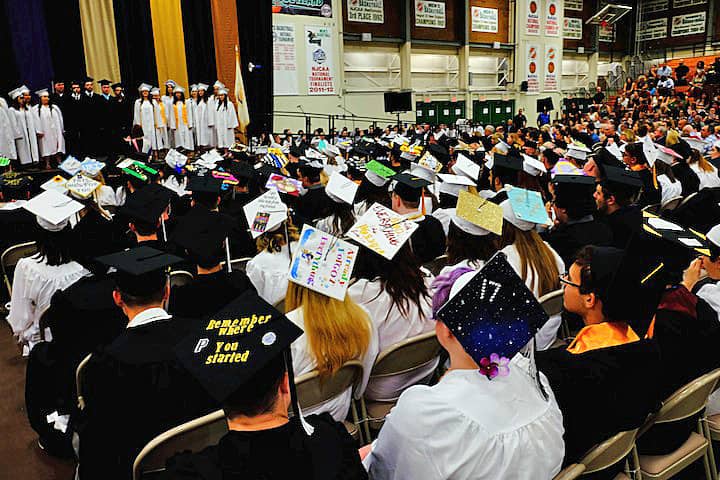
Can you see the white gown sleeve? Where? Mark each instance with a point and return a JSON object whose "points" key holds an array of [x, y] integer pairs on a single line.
{"points": [[21, 313]]}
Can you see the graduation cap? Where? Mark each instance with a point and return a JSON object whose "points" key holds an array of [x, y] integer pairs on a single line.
{"points": [[219, 84], [477, 216], [576, 151], [241, 170], [53, 210], [575, 193], [202, 234], [696, 142], [454, 184], [116, 85], [202, 86], [439, 152], [170, 83], [341, 189], [533, 166], [42, 93], [147, 204], [464, 166], [15, 93], [179, 89], [409, 187], [140, 271], [507, 162], [104, 82], [492, 313], [525, 209], [70, 165], [144, 87], [87, 79], [713, 240], [204, 184], [667, 155], [530, 144], [137, 169], [621, 181], [265, 213]]}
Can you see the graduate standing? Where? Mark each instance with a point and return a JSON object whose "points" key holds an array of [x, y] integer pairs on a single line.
{"points": [[225, 120], [105, 111], [50, 129], [91, 120], [161, 126], [121, 117], [7, 132], [147, 116], [72, 116], [25, 133], [181, 120], [205, 118]]}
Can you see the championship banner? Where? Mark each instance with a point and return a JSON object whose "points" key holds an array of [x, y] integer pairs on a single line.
{"points": [[654, 6], [551, 68], [690, 24], [365, 11], [312, 8], [552, 21], [572, 28], [429, 14], [652, 30], [319, 56], [574, 5], [532, 23], [285, 80], [533, 74], [484, 19], [687, 3]]}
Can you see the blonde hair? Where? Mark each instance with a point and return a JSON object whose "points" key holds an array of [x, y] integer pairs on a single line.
{"points": [[536, 258], [630, 135], [672, 137], [703, 164], [337, 331], [275, 240]]}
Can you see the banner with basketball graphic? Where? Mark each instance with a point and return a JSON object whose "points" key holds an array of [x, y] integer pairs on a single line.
{"points": [[532, 24], [551, 68], [320, 60], [533, 68]]}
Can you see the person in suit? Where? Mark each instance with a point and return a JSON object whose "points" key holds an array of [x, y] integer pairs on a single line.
{"points": [[72, 115]]}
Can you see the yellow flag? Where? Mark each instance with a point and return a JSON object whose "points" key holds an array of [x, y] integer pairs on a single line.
{"points": [[242, 109]]}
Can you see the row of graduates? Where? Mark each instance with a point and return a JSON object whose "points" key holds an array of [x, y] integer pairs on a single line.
{"points": [[469, 242]]}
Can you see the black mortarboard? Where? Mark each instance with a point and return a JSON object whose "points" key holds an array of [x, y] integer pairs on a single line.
{"points": [[227, 350], [439, 152], [241, 170], [147, 204], [530, 144], [87, 79], [409, 187], [116, 85], [140, 271], [204, 184], [507, 161], [104, 82], [296, 151], [619, 180], [575, 193], [75, 82], [493, 312], [202, 234], [603, 159]]}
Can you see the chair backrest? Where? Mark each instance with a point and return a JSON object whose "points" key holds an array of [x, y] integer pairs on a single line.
{"points": [[312, 390], [406, 356], [687, 401], [193, 436], [571, 472], [79, 377], [687, 199], [672, 203], [10, 258], [179, 278], [437, 264], [240, 263], [552, 302], [609, 452]]}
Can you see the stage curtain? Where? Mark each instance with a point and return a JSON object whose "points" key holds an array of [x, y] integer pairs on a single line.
{"points": [[97, 18], [26, 23], [199, 45], [10, 77], [66, 40], [225, 34], [136, 47], [169, 41]]}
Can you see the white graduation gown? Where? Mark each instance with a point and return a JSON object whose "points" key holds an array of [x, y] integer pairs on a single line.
{"points": [[182, 130], [225, 122], [50, 124], [710, 292], [469, 427], [192, 105], [162, 125], [392, 327], [268, 273], [547, 334], [7, 131], [34, 284], [147, 115], [26, 136], [304, 362], [707, 179], [167, 103], [668, 189], [204, 123]]}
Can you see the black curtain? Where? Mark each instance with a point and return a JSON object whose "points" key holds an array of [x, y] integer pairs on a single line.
{"points": [[199, 42], [10, 77], [136, 46], [62, 20], [255, 31]]}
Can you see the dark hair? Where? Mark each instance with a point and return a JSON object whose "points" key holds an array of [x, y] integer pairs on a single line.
{"points": [[259, 394], [176, 99], [206, 199], [635, 150], [551, 156], [663, 168], [55, 248], [466, 246], [400, 277], [343, 216], [312, 173], [144, 228], [505, 175], [371, 193], [167, 88], [221, 102], [141, 300]]}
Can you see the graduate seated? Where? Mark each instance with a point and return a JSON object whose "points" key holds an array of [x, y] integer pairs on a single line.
{"points": [[263, 440], [340, 214], [314, 203], [268, 269], [135, 388], [146, 211], [606, 381], [491, 416], [614, 197]]}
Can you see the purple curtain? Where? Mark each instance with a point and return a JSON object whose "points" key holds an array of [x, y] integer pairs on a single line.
{"points": [[26, 23]]}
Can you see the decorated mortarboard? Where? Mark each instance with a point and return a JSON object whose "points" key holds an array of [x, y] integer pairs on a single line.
{"points": [[202, 233], [454, 184], [382, 230], [480, 212], [227, 178], [175, 159], [137, 169], [464, 166], [81, 186], [56, 183], [4, 161], [265, 213], [696, 142], [91, 166], [204, 184], [527, 209], [667, 155], [533, 166], [70, 165], [577, 151], [429, 162], [379, 169], [227, 350], [492, 314], [341, 189], [53, 209], [284, 184], [141, 270], [323, 263], [170, 83]]}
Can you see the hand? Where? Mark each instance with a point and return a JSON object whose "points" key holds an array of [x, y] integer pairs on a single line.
{"points": [[692, 274]]}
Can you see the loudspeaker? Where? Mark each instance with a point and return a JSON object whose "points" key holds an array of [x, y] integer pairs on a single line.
{"points": [[398, 101], [546, 103], [524, 86]]}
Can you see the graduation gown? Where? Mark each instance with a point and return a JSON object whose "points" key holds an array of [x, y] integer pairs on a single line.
{"points": [[25, 136], [204, 123], [207, 294], [181, 123], [428, 240], [651, 193], [92, 111], [135, 389], [311, 206], [568, 238], [241, 242], [225, 123], [121, 118], [147, 115], [279, 453], [7, 131], [623, 223], [687, 177], [72, 116], [50, 125]]}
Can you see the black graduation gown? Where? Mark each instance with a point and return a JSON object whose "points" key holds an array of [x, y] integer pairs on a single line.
{"points": [[602, 392], [311, 206], [568, 238], [687, 178], [18, 226], [72, 119], [121, 113], [207, 294], [428, 240], [650, 194], [136, 389], [702, 212], [90, 124], [623, 223], [105, 123], [280, 453], [241, 242]]}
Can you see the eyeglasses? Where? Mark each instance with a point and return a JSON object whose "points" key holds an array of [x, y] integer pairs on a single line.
{"points": [[564, 279]]}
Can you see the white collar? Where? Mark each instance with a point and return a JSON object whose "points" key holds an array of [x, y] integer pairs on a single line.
{"points": [[148, 316]]}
